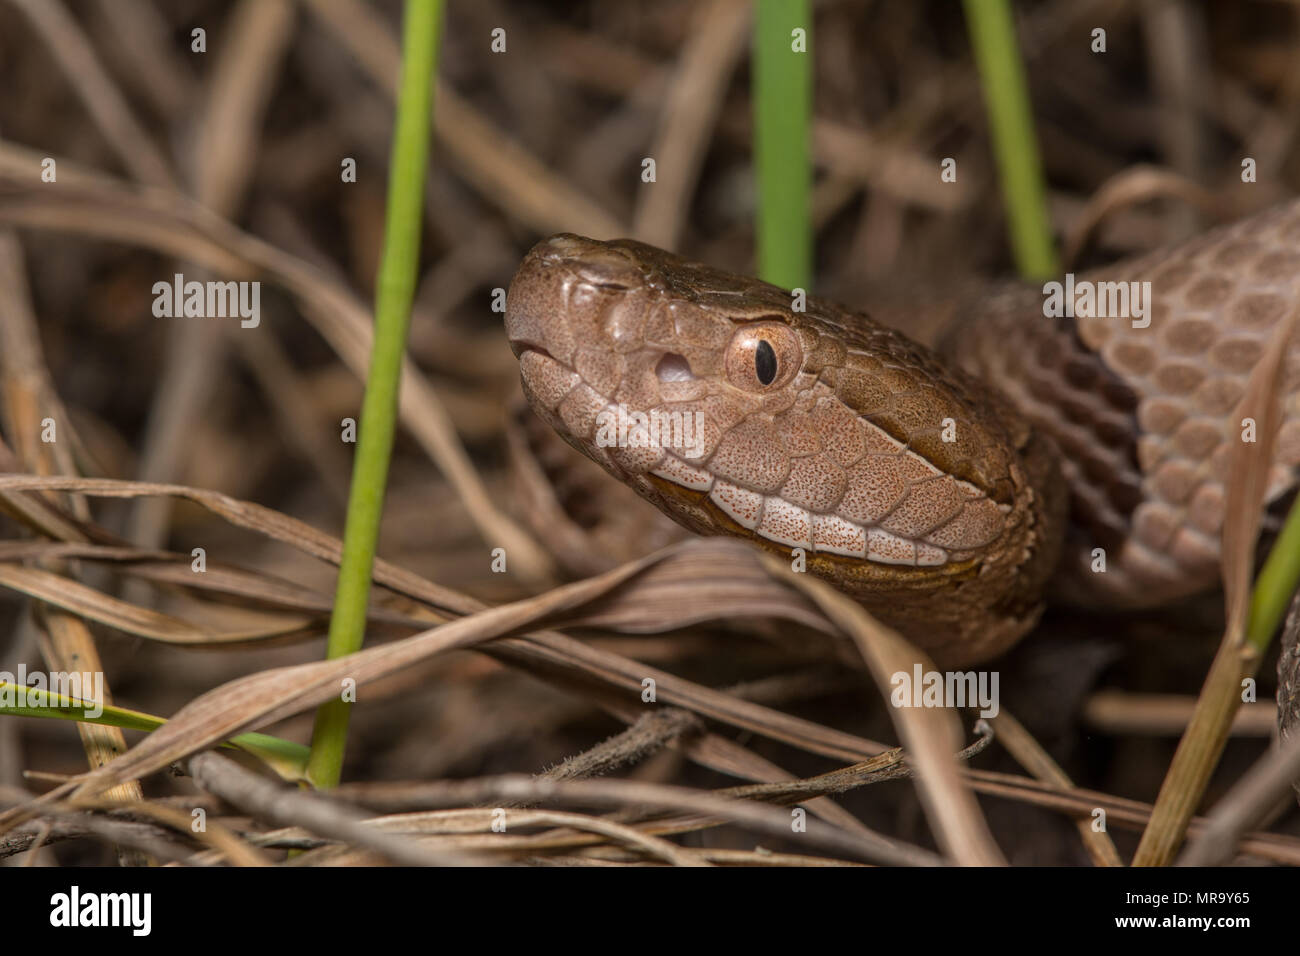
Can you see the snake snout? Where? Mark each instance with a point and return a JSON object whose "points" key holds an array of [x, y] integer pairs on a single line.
{"points": [[538, 304], [566, 295], [591, 262]]}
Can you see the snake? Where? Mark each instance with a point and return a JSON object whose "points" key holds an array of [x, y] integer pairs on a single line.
{"points": [[1034, 453]]}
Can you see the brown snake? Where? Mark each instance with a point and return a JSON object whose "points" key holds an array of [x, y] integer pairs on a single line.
{"points": [[944, 494]]}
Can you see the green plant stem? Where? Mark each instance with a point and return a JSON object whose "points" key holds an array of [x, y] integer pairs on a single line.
{"points": [[395, 290], [1011, 124], [782, 108], [283, 756], [1276, 583]]}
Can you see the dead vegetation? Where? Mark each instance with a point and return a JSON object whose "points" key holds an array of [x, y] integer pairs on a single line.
{"points": [[504, 717]]}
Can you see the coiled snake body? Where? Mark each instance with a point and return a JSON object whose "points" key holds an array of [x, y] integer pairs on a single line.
{"points": [[943, 493]]}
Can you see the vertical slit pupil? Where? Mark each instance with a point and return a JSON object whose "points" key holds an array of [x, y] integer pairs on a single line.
{"points": [[765, 362]]}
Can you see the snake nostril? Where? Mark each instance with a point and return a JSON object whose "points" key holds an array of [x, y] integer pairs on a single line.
{"points": [[674, 368]]}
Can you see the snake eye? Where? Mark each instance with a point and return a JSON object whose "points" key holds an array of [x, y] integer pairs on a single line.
{"points": [[763, 356], [765, 362]]}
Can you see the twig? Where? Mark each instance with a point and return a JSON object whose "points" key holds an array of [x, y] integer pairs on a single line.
{"points": [[1245, 805], [331, 818]]}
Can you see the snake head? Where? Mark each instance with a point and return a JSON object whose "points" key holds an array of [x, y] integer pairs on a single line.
{"points": [[739, 408]]}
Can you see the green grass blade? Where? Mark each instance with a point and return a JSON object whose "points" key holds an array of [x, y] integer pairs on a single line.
{"points": [[1276, 583], [1011, 124], [782, 120], [396, 289], [285, 757]]}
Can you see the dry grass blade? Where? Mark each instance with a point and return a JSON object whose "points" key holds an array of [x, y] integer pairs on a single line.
{"points": [[29, 399], [107, 106], [262, 798], [686, 586], [172, 224], [1250, 466], [622, 794], [252, 587], [551, 649], [255, 40], [85, 602], [663, 585], [220, 162], [1030, 755], [263, 698], [252, 517], [1134, 185], [651, 847], [692, 103], [157, 70], [221, 839], [1121, 713], [267, 696], [61, 821], [1121, 812], [1258, 792], [930, 735], [504, 172]]}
